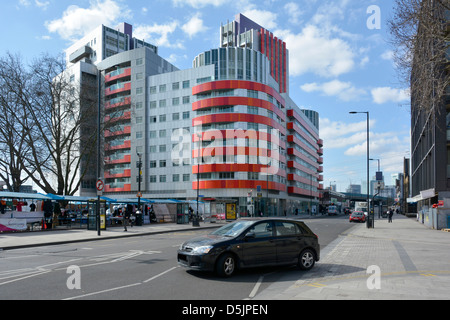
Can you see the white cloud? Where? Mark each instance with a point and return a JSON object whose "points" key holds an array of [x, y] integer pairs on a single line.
{"points": [[199, 3], [387, 55], [194, 26], [76, 21], [338, 134], [42, 4], [390, 147], [266, 19], [345, 91], [158, 34], [293, 11], [316, 51], [382, 95]]}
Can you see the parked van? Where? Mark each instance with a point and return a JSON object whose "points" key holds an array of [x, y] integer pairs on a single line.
{"points": [[332, 210]]}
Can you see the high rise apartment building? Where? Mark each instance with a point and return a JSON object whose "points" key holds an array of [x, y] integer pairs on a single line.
{"points": [[225, 128]]}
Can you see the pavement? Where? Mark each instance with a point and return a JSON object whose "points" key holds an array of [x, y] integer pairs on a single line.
{"points": [[392, 261], [402, 260]]}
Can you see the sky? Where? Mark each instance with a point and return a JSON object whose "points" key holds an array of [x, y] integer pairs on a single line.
{"points": [[340, 60]]}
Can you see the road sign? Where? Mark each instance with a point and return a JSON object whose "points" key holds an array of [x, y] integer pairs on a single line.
{"points": [[100, 185]]}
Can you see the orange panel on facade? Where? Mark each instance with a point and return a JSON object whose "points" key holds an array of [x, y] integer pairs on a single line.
{"points": [[238, 184]]}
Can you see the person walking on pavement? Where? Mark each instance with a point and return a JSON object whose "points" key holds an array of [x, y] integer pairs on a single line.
{"points": [[126, 217], [391, 213]]}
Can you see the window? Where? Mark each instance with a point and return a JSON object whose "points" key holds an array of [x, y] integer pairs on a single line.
{"points": [[153, 119], [139, 90], [139, 135], [186, 84], [252, 175], [162, 163], [175, 101], [162, 103], [262, 230], [153, 89], [162, 148], [186, 177], [152, 104], [162, 88], [139, 76], [162, 118], [139, 61], [226, 175], [139, 105], [139, 119], [175, 86], [252, 110], [152, 149], [175, 116], [162, 178], [186, 99], [186, 115], [152, 163], [152, 179], [286, 228], [175, 178], [252, 94], [162, 133]]}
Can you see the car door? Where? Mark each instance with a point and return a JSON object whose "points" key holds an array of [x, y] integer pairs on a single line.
{"points": [[258, 247], [289, 241]]}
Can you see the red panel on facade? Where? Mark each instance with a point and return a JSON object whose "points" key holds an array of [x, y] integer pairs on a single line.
{"points": [[125, 73], [237, 167], [237, 117], [214, 134], [237, 84], [234, 101], [126, 187], [238, 184]]}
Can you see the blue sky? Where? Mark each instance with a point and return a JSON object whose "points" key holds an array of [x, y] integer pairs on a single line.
{"points": [[340, 60]]}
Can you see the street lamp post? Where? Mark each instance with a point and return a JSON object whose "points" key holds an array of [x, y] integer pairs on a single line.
{"points": [[139, 181], [369, 216], [195, 222]]}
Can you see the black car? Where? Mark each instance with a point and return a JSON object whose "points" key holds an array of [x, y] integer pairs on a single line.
{"points": [[252, 243]]}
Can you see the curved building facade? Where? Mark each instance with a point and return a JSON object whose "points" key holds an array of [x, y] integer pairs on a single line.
{"points": [[224, 131]]}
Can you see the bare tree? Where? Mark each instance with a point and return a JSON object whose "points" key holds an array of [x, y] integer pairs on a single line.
{"points": [[13, 145], [420, 38], [57, 117]]}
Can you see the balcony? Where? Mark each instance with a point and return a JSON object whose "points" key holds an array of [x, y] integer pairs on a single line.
{"points": [[118, 74], [118, 102], [119, 87], [123, 173], [110, 133]]}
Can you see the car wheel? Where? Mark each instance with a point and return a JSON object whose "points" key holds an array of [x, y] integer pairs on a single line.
{"points": [[306, 260], [226, 265]]}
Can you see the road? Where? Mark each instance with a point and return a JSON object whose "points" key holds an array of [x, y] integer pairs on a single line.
{"points": [[136, 268]]}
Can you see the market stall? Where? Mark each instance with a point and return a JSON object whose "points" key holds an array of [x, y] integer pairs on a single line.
{"points": [[21, 211]]}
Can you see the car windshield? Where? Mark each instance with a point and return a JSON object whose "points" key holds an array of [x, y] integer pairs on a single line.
{"points": [[232, 229]]}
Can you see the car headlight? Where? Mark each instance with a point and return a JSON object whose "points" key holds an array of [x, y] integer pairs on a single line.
{"points": [[202, 249]]}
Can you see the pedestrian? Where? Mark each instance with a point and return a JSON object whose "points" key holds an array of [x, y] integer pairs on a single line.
{"points": [[391, 212], [126, 217]]}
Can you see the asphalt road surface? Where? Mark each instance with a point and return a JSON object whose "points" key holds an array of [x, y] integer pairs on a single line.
{"points": [[142, 267]]}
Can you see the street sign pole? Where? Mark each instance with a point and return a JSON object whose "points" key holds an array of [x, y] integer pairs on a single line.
{"points": [[99, 185]]}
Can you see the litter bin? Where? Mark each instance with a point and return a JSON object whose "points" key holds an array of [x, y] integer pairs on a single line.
{"points": [[138, 218]]}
